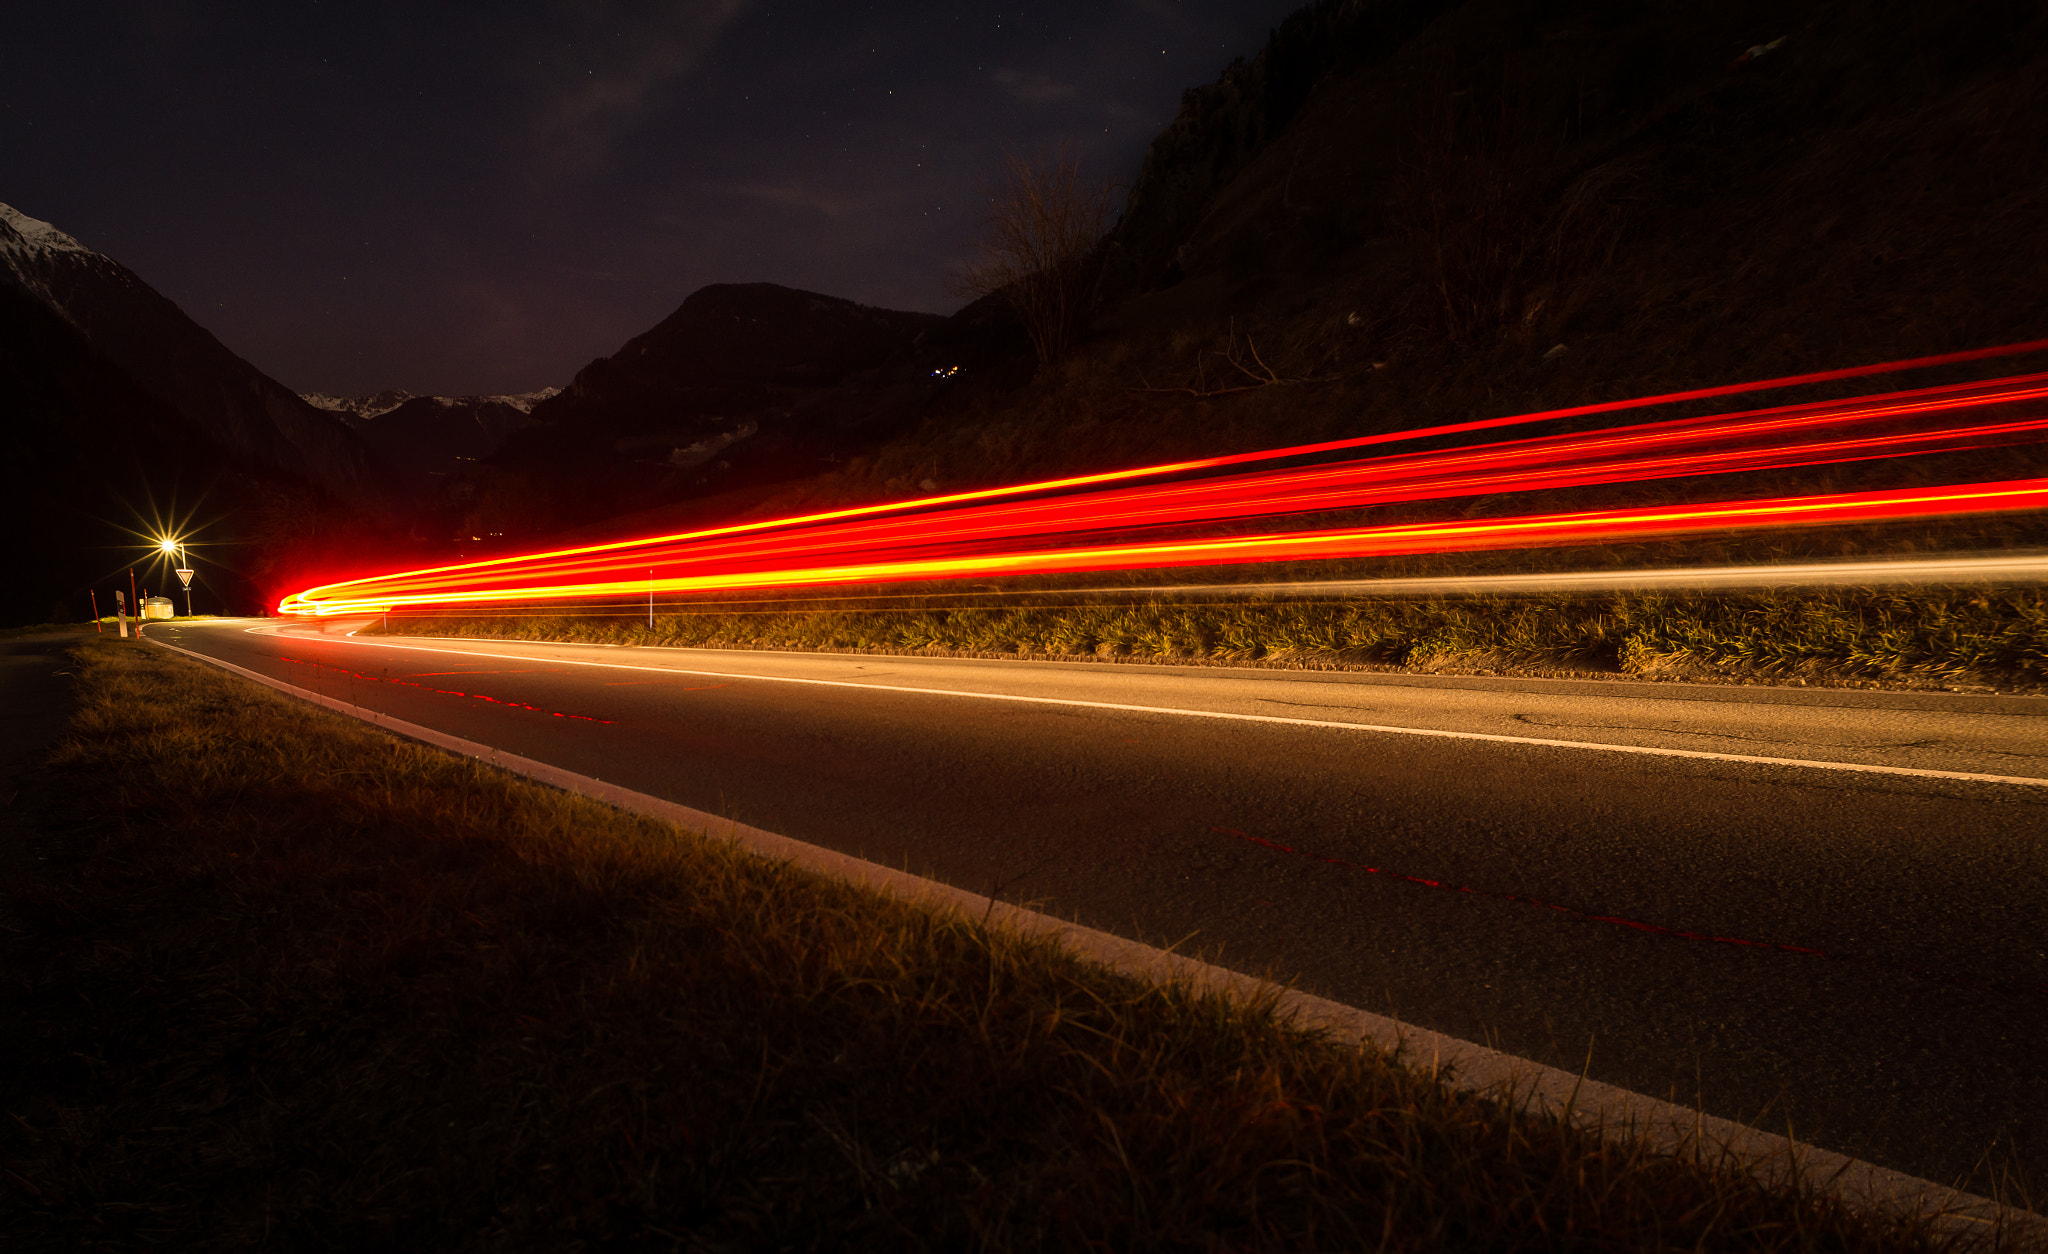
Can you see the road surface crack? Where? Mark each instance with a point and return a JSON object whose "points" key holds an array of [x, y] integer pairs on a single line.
{"points": [[1315, 705], [1532, 720]]}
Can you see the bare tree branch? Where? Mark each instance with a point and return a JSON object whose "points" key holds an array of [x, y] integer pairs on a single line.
{"points": [[1040, 227], [1198, 381]]}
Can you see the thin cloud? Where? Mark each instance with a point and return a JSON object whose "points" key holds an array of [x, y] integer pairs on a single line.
{"points": [[593, 95], [796, 196], [1032, 88]]}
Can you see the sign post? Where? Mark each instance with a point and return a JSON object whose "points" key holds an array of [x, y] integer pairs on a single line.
{"points": [[185, 575]]}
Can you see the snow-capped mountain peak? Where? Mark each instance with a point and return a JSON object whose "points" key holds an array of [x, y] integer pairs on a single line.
{"points": [[525, 401], [380, 403], [144, 339], [19, 232], [358, 406], [432, 437]]}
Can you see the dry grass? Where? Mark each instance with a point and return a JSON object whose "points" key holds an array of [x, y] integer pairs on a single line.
{"points": [[108, 625], [291, 982], [44, 629], [1943, 637]]}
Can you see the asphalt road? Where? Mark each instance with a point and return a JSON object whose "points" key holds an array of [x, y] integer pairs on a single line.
{"points": [[1864, 954]]}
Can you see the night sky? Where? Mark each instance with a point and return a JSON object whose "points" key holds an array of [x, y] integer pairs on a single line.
{"points": [[479, 198]]}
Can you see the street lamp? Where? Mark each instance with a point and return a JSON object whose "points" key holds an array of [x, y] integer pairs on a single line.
{"points": [[172, 548]]}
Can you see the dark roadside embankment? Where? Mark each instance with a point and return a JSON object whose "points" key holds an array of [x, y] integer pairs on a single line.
{"points": [[285, 979]]}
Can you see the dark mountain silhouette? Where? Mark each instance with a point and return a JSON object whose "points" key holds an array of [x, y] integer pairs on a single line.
{"points": [[436, 446], [733, 349], [96, 465], [179, 362], [743, 385], [429, 437], [126, 418]]}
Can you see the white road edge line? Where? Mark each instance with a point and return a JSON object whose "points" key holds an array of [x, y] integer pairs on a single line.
{"points": [[1611, 1111], [1912, 772]]}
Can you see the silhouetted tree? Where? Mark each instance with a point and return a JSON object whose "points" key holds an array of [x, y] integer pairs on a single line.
{"points": [[1040, 228]]}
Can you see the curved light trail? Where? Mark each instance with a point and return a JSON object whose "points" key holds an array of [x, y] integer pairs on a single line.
{"points": [[1533, 531], [1083, 524]]}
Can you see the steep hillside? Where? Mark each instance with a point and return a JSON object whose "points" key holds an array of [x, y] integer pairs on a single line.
{"points": [[1740, 170], [126, 419], [1404, 211], [179, 362], [97, 465]]}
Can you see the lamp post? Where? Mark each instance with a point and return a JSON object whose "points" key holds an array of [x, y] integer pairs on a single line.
{"points": [[175, 548]]}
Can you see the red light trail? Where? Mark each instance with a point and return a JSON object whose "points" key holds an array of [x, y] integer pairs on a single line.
{"points": [[1078, 524], [446, 692]]}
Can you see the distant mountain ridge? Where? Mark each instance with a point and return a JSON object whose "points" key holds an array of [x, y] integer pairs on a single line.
{"points": [[744, 384], [431, 439], [358, 406], [379, 403], [734, 349]]}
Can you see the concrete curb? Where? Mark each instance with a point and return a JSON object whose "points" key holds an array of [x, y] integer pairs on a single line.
{"points": [[1611, 1111]]}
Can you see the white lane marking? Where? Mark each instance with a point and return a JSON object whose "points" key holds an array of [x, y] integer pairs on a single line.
{"points": [[1606, 1109], [1912, 772]]}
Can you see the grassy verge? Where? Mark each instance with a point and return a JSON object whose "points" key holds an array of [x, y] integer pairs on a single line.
{"points": [[107, 626], [290, 981], [44, 629], [1938, 637]]}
